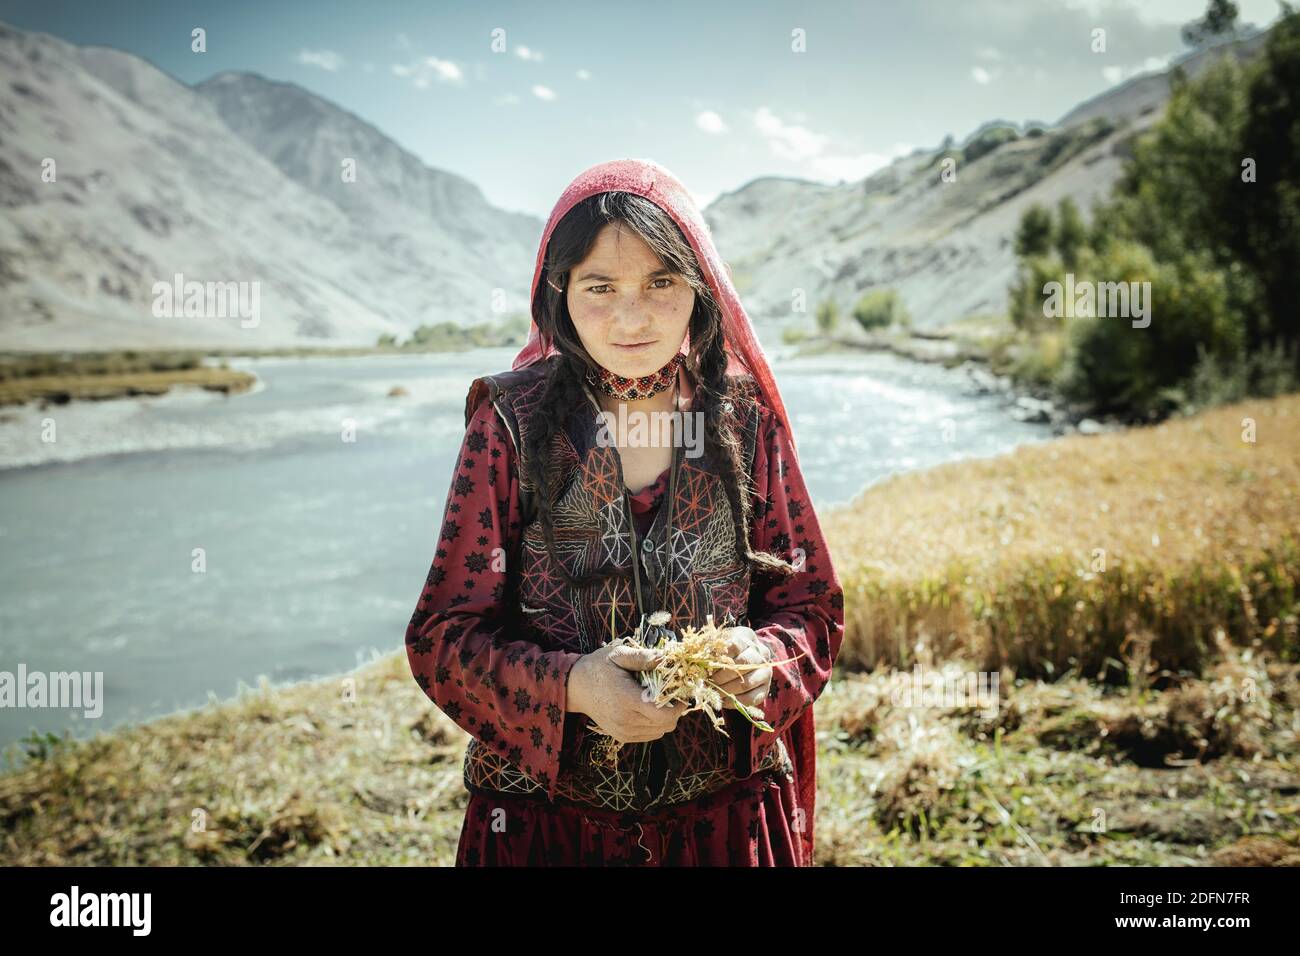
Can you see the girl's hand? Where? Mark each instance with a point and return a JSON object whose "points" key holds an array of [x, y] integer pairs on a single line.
{"points": [[750, 687], [603, 686]]}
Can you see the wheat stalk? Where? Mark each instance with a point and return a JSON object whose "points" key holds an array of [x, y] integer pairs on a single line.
{"points": [[684, 673]]}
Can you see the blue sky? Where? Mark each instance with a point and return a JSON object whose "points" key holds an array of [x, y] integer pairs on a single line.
{"points": [[714, 91]]}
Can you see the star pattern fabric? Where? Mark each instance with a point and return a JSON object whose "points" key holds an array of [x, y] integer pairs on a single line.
{"points": [[801, 616], [511, 695]]}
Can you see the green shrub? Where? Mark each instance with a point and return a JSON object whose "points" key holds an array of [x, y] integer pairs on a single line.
{"points": [[1114, 366], [1064, 145], [828, 317], [881, 308], [1041, 361], [988, 140], [1269, 372]]}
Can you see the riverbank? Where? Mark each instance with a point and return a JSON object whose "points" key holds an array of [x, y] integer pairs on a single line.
{"points": [[57, 378], [994, 358], [1165, 738], [46, 379], [163, 402]]}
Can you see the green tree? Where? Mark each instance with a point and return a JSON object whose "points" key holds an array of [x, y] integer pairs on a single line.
{"points": [[1070, 235], [1027, 298], [1034, 235], [1265, 214], [1220, 21], [1181, 180], [1206, 215]]}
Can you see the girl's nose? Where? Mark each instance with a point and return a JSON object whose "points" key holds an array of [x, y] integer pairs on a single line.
{"points": [[633, 319]]}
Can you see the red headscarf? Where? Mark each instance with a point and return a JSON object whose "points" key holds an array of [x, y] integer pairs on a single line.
{"points": [[744, 352], [649, 179]]}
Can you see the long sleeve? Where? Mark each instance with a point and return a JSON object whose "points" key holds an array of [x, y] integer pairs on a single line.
{"points": [[802, 614], [509, 694]]}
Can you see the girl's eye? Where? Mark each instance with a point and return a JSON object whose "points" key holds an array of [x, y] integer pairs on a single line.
{"points": [[597, 288]]}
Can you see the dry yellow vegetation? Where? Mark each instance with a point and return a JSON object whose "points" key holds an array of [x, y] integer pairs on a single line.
{"points": [[1050, 557], [65, 388]]}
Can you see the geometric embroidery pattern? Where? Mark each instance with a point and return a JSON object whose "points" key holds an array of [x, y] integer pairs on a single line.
{"points": [[507, 691]]}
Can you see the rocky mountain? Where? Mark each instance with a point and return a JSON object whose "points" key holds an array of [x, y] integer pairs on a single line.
{"points": [[1149, 91], [237, 180], [114, 176], [945, 245], [417, 215]]}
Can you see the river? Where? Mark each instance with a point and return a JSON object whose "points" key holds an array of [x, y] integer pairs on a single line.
{"points": [[316, 547]]}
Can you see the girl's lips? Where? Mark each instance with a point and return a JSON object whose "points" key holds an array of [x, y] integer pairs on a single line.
{"points": [[633, 348]]}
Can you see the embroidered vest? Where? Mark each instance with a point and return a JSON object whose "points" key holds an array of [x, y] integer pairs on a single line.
{"points": [[693, 575]]}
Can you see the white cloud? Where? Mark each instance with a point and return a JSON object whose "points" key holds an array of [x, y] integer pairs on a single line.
{"points": [[325, 59], [527, 53], [1112, 74], [988, 53], [795, 143], [710, 122], [428, 70], [584, 74], [850, 168], [509, 99], [809, 149], [981, 75], [543, 92]]}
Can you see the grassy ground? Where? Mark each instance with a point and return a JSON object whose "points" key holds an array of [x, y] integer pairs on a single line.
{"points": [[1148, 707], [1067, 773], [368, 772]]}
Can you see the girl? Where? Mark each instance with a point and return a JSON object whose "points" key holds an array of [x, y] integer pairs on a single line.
{"points": [[565, 527]]}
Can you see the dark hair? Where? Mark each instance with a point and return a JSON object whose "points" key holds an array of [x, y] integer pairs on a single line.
{"points": [[571, 241]]}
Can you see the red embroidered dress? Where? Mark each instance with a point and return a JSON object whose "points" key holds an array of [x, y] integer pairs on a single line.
{"points": [[510, 694], [496, 632]]}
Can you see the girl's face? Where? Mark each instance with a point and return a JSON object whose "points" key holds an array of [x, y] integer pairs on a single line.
{"points": [[630, 312]]}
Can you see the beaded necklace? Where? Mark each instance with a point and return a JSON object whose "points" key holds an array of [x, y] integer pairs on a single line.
{"points": [[630, 389]]}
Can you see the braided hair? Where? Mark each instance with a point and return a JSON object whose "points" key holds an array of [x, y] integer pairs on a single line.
{"points": [[563, 395]]}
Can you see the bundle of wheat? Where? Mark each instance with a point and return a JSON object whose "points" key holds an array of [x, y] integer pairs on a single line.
{"points": [[684, 672]]}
